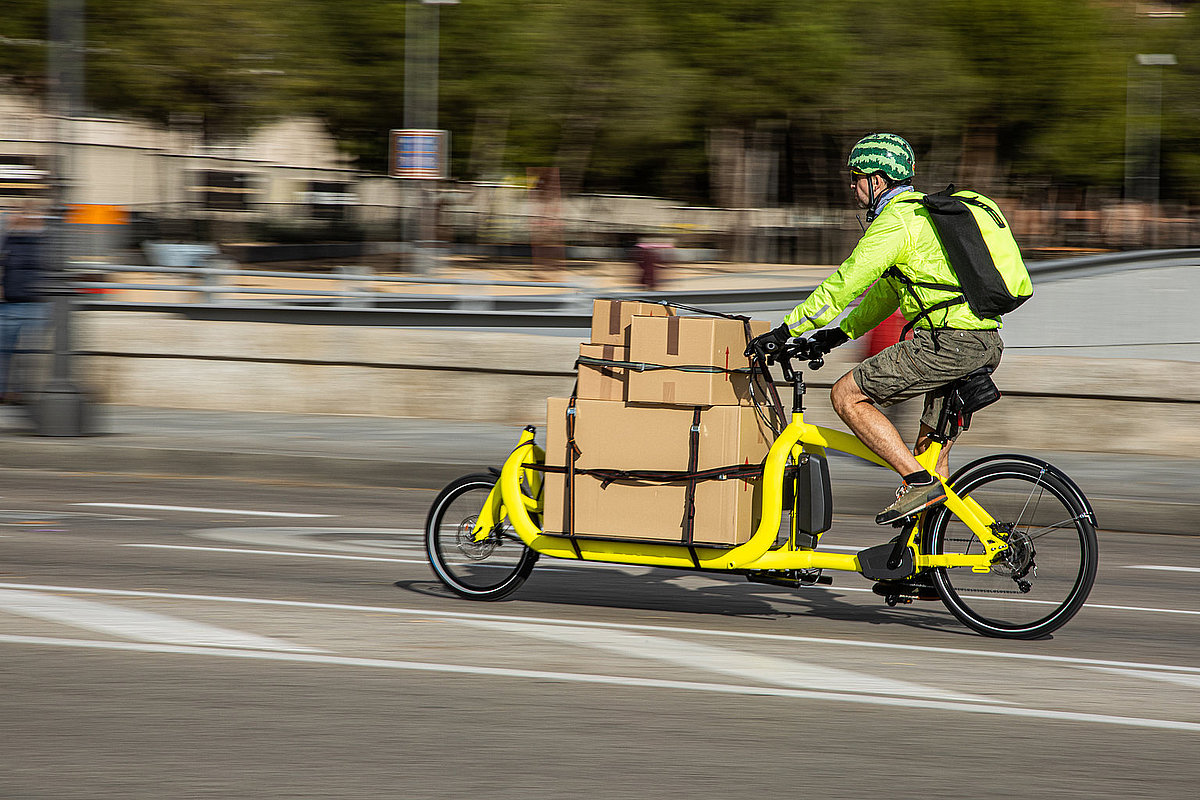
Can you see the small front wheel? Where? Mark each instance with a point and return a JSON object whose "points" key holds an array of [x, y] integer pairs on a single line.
{"points": [[477, 570], [1044, 576]]}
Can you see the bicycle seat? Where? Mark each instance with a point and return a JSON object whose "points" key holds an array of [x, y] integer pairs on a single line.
{"points": [[974, 391]]}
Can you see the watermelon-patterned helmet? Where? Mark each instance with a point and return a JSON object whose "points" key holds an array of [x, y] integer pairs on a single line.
{"points": [[883, 152]]}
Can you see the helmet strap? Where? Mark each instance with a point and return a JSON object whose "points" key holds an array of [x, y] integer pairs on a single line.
{"points": [[871, 213]]}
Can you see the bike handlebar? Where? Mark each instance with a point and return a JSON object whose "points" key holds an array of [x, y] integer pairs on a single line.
{"points": [[783, 353]]}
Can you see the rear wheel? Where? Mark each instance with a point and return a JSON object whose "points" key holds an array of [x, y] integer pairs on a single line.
{"points": [[1036, 585], [478, 570]]}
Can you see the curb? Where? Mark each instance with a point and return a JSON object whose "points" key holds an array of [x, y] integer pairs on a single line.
{"points": [[192, 463]]}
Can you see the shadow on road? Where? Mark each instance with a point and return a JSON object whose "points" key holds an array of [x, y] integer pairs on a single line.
{"points": [[678, 593]]}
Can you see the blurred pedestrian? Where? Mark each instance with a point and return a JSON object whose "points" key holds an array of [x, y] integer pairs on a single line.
{"points": [[650, 257], [22, 307]]}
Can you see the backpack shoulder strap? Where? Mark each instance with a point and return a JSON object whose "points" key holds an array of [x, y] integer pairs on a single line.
{"points": [[894, 272]]}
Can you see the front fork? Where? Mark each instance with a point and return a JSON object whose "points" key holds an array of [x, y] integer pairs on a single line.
{"points": [[493, 511]]}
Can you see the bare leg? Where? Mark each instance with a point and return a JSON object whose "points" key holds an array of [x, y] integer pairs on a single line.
{"points": [[923, 442], [870, 425]]}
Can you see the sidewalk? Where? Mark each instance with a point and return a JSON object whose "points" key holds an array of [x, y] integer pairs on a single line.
{"points": [[1129, 492]]}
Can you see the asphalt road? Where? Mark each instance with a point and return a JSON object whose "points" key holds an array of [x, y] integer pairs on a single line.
{"points": [[166, 638]]}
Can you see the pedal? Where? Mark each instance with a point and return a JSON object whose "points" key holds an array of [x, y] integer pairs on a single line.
{"points": [[906, 591]]}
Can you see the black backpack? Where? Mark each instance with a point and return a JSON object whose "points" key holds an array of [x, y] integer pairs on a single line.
{"points": [[981, 271]]}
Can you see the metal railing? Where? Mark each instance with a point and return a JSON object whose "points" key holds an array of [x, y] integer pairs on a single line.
{"points": [[218, 296], [213, 286]]}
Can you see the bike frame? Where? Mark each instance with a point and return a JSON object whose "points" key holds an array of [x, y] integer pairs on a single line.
{"points": [[757, 553]]}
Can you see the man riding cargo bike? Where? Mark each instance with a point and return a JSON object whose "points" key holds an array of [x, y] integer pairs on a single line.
{"points": [[671, 452], [902, 260]]}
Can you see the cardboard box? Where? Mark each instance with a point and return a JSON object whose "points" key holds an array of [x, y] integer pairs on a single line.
{"points": [[690, 341], [611, 318], [612, 435], [602, 383]]}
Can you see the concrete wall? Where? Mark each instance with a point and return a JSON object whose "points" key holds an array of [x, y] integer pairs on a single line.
{"points": [[1128, 314], [1054, 402]]}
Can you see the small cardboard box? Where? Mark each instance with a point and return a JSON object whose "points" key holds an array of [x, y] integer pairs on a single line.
{"points": [[612, 435], [690, 341], [611, 318], [601, 382]]}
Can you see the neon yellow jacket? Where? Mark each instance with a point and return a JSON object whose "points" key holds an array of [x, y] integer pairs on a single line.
{"points": [[901, 235]]}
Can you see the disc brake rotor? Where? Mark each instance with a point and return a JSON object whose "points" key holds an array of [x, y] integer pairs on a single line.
{"points": [[1017, 559], [469, 546]]}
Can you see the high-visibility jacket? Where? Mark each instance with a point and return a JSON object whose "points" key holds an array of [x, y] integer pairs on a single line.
{"points": [[901, 236]]}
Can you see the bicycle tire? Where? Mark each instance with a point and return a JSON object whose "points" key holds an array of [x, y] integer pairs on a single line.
{"points": [[488, 570], [1049, 567]]}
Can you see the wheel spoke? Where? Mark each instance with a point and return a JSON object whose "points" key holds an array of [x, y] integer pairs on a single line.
{"points": [[1038, 582], [1057, 526], [480, 569]]}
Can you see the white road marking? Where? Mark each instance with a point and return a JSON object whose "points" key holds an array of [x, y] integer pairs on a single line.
{"points": [[621, 680], [278, 553], [1163, 569], [1192, 681], [307, 555], [145, 626], [993, 599], [628, 626], [386, 540], [7, 515], [737, 663], [204, 510]]}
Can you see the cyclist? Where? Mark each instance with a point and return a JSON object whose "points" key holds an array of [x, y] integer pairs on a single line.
{"points": [[946, 345]]}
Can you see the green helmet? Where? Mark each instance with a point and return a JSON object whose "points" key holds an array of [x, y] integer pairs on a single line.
{"points": [[883, 152]]}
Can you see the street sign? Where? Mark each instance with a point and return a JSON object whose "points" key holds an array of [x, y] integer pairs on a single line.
{"points": [[419, 154]]}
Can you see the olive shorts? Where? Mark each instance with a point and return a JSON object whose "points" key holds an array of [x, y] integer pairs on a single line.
{"points": [[914, 367]]}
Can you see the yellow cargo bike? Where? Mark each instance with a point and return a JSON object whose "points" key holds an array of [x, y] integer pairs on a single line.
{"points": [[1012, 552]]}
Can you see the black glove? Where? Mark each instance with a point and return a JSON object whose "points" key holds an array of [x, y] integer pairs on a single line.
{"points": [[827, 339], [770, 343]]}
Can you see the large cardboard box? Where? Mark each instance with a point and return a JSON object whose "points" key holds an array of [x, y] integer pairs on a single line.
{"points": [[690, 341], [611, 318], [612, 435], [601, 382]]}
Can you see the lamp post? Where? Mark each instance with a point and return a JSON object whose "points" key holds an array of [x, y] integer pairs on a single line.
{"points": [[421, 33], [60, 408], [1143, 130]]}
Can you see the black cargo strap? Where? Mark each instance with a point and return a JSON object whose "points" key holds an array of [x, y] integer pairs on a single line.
{"points": [[643, 366], [573, 454], [607, 476], [705, 311], [689, 503]]}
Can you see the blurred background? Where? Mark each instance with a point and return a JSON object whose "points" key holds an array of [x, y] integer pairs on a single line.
{"points": [[577, 127], [310, 260]]}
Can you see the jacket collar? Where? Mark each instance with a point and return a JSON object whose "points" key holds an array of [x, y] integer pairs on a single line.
{"points": [[885, 198]]}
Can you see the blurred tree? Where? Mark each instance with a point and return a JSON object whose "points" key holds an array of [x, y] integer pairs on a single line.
{"points": [[625, 95], [22, 43], [220, 65], [1053, 83], [1181, 106]]}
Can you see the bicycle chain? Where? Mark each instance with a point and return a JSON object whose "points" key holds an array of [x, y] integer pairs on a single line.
{"points": [[985, 591]]}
